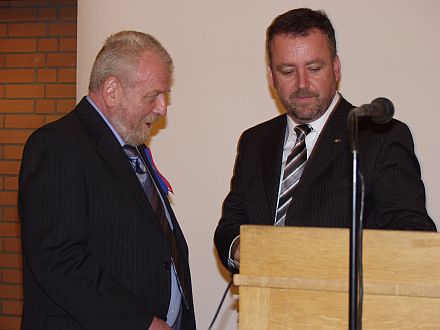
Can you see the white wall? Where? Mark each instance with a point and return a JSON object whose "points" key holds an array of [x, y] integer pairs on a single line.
{"points": [[387, 48]]}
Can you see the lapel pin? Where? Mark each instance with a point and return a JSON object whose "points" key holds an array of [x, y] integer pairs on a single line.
{"points": [[338, 140]]}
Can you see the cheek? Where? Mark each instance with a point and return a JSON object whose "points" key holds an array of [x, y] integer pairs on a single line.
{"points": [[285, 86], [141, 117], [320, 84], [134, 115], [145, 108]]}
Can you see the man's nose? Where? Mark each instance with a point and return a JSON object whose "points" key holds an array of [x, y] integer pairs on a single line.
{"points": [[302, 79], [161, 105]]}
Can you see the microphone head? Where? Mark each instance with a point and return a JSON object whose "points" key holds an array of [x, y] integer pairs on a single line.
{"points": [[387, 110]]}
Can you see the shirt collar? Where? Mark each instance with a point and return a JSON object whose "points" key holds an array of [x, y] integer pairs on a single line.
{"points": [[118, 137]]}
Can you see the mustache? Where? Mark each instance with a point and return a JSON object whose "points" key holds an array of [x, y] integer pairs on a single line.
{"points": [[303, 92], [153, 119]]}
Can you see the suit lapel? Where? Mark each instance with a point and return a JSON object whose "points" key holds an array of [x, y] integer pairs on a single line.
{"points": [[158, 185], [331, 143], [271, 158], [180, 240], [106, 144]]}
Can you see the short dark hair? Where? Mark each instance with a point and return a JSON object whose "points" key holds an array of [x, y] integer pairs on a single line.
{"points": [[299, 22]]}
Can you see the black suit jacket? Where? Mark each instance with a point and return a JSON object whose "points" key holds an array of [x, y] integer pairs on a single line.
{"points": [[394, 192], [94, 255]]}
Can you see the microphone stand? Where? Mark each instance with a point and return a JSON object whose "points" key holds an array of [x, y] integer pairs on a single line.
{"points": [[381, 110], [355, 231]]}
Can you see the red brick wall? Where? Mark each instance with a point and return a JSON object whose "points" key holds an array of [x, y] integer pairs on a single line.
{"points": [[37, 85]]}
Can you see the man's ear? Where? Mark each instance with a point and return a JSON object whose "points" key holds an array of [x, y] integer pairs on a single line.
{"points": [[270, 77], [112, 92], [337, 68]]}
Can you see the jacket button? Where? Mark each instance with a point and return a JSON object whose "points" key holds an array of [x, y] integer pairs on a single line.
{"points": [[167, 265]]}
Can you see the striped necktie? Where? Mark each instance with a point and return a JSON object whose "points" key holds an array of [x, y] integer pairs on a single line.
{"points": [[150, 188], [295, 164]]}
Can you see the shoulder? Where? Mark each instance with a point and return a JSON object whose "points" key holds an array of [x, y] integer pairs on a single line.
{"points": [[268, 128], [54, 132], [64, 134], [393, 129], [370, 130], [82, 120]]}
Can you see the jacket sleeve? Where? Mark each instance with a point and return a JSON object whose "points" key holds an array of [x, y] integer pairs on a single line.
{"points": [[233, 212], [397, 192]]}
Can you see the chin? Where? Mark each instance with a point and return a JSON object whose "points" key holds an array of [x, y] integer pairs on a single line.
{"points": [[305, 114], [144, 138]]}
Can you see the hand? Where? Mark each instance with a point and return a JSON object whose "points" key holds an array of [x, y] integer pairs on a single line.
{"points": [[158, 324], [236, 253]]}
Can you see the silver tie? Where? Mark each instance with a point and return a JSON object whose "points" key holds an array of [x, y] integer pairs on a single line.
{"points": [[295, 164]]}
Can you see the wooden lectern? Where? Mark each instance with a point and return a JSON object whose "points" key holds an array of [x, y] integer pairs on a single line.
{"points": [[297, 278]]}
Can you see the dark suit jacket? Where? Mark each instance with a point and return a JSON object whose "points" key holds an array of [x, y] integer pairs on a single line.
{"points": [[94, 255], [394, 192]]}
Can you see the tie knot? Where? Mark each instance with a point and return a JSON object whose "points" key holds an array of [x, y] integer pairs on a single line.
{"points": [[302, 130], [131, 151], [135, 159]]}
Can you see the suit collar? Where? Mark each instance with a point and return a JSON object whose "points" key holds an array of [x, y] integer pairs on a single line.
{"points": [[331, 142], [108, 147]]}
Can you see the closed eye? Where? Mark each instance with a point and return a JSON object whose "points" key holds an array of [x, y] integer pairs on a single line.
{"points": [[315, 68], [287, 73]]}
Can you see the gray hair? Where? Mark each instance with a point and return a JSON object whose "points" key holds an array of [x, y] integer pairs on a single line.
{"points": [[120, 55]]}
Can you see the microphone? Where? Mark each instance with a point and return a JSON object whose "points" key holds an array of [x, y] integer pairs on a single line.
{"points": [[380, 110]]}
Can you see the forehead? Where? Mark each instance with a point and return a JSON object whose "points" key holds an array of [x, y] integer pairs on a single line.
{"points": [[150, 58], [315, 43], [151, 69]]}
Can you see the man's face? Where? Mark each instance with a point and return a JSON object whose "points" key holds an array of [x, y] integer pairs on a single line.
{"points": [[304, 74], [143, 100]]}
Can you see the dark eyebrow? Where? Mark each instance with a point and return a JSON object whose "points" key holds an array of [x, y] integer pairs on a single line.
{"points": [[289, 65], [317, 61], [284, 65]]}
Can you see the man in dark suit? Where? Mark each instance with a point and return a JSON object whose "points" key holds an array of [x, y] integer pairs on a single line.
{"points": [[296, 169], [96, 253]]}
